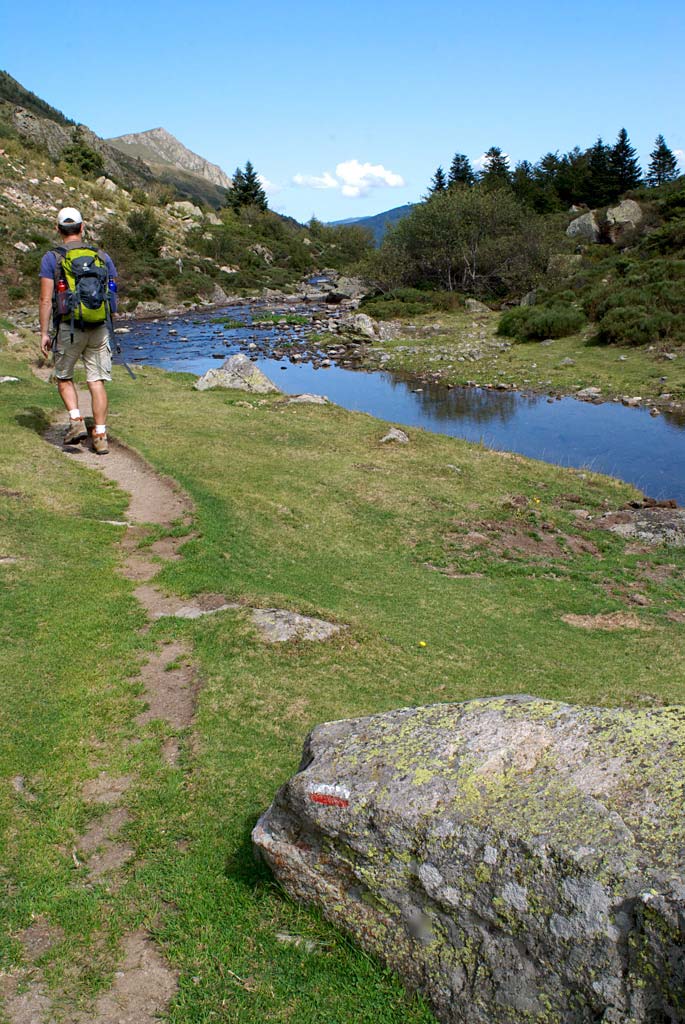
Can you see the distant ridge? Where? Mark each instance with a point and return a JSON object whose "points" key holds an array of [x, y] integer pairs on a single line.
{"points": [[159, 149], [12, 91], [380, 222]]}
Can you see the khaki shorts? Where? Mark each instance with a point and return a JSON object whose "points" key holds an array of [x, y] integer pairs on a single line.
{"points": [[92, 344]]}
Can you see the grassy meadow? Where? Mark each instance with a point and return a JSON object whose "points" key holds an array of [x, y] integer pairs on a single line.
{"points": [[297, 507]]}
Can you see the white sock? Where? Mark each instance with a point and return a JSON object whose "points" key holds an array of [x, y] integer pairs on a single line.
{"points": [[100, 428], [75, 414]]}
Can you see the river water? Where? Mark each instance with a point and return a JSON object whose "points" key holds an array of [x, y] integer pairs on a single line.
{"points": [[608, 438]]}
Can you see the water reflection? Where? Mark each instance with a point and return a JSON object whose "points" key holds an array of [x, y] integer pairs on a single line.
{"points": [[474, 404]]}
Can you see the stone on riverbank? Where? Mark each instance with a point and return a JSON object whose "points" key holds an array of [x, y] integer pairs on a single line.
{"points": [[651, 525], [516, 859], [240, 373]]}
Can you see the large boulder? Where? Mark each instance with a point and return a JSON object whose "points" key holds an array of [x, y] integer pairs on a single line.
{"points": [[349, 288], [240, 373], [623, 219], [516, 859], [586, 228], [358, 325], [185, 209]]}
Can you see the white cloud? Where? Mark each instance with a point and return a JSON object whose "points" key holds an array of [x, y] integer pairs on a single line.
{"points": [[270, 187], [325, 180], [353, 178], [482, 162], [679, 154]]}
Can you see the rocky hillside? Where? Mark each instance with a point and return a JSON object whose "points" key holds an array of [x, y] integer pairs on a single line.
{"points": [[170, 251], [160, 150]]}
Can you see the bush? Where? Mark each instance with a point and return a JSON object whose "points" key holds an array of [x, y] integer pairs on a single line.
{"points": [[473, 240], [534, 323], [146, 233], [82, 157], [635, 325], [404, 302]]}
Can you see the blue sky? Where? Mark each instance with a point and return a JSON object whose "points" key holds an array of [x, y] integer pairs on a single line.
{"points": [[348, 109]]}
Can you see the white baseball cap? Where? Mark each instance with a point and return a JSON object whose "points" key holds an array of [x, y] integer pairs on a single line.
{"points": [[69, 216]]}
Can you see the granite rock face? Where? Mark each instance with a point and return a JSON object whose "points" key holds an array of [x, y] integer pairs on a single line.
{"points": [[623, 219], [518, 860], [586, 228], [240, 373]]}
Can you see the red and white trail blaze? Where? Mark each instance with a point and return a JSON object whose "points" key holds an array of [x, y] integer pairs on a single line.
{"points": [[329, 796]]}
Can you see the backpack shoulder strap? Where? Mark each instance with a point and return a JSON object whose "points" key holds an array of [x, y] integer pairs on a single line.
{"points": [[59, 252]]}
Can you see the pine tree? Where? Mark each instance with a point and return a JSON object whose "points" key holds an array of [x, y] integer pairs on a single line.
{"points": [[461, 171], [623, 164], [438, 183], [663, 165], [528, 187], [496, 172], [247, 190], [601, 183]]}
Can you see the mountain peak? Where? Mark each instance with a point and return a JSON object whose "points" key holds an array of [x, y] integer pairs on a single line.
{"points": [[159, 148]]}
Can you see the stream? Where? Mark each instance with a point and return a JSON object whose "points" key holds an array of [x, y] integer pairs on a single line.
{"points": [[607, 438]]}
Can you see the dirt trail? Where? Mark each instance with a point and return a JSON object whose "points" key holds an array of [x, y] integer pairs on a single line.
{"points": [[144, 983]]}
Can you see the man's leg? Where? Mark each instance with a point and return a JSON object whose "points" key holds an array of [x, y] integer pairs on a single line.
{"points": [[97, 357], [66, 354], [67, 393], [98, 396]]}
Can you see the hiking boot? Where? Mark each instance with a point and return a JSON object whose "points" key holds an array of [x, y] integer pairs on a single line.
{"points": [[75, 432], [100, 446]]}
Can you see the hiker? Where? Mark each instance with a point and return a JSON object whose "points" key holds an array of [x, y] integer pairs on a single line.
{"points": [[77, 286]]}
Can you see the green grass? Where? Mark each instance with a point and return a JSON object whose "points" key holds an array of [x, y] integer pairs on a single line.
{"points": [[617, 370], [297, 507]]}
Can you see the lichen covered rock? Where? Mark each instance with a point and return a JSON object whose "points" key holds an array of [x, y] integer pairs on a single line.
{"points": [[518, 860], [240, 373]]}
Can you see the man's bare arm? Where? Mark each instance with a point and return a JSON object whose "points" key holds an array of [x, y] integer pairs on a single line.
{"points": [[47, 288]]}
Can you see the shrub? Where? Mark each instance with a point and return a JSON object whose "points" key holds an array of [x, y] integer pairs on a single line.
{"points": [[407, 302], [146, 233], [635, 325], [467, 239], [534, 323], [82, 157]]}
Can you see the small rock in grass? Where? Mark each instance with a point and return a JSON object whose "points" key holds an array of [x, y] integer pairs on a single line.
{"points": [[395, 435], [308, 399]]}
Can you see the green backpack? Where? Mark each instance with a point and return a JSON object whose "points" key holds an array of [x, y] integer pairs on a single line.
{"points": [[81, 286]]}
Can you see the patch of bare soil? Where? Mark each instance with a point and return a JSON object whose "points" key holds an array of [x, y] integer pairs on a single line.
{"points": [[510, 538], [142, 986], [676, 616], [609, 621], [24, 1005], [657, 573], [106, 790], [170, 687], [23, 996], [159, 606], [97, 847], [39, 937]]}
